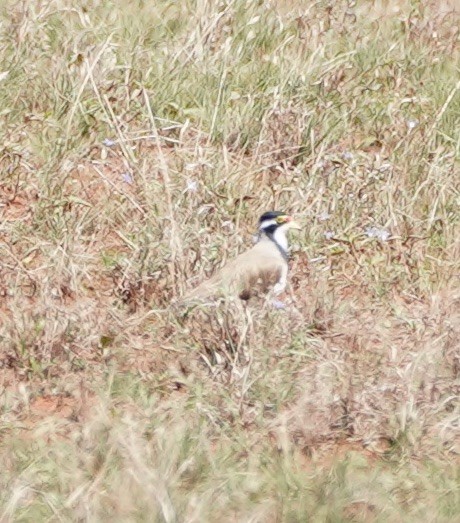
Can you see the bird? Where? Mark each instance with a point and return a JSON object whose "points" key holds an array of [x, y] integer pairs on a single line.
{"points": [[260, 268]]}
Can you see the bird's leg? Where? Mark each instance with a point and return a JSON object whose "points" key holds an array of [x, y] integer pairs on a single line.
{"points": [[280, 285]]}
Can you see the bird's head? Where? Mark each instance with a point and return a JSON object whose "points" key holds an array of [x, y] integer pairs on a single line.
{"points": [[275, 226], [272, 221]]}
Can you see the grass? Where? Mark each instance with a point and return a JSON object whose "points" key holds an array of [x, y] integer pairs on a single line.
{"points": [[140, 143]]}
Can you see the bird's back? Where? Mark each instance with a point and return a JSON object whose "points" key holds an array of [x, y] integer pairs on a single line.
{"points": [[260, 266]]}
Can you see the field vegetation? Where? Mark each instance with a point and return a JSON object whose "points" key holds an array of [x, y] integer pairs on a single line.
{"points": [[140, 141]]}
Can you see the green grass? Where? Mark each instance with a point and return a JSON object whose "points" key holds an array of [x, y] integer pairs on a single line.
{"points": [[140, 141]]}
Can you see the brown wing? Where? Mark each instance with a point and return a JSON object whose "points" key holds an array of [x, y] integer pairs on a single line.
{"points": [[260, 265]]}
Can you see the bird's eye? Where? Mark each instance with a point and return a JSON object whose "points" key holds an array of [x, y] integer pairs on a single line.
{"points": [[280, 219]]}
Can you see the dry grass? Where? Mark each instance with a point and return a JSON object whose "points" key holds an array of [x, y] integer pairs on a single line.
{"points": [[140, 142]]}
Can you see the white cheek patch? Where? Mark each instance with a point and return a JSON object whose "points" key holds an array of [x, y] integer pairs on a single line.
{"points": [[280, 237], [267, 223]]}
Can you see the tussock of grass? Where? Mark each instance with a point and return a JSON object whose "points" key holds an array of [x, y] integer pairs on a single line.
{"points": [[140, 142]]}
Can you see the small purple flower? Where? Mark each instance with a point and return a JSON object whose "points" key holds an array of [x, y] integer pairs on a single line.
{"points": [[376, 232], [108, 142], [192, 186], [324, 216], [127, 178], [278, 305]]}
